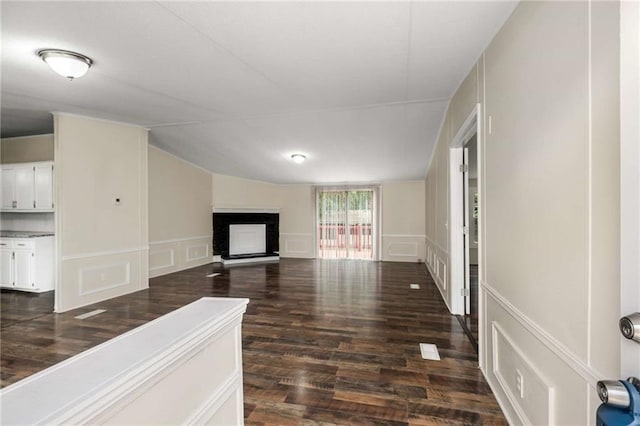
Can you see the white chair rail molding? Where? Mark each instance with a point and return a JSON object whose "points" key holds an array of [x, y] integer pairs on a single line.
{"points": [[182, 368]]}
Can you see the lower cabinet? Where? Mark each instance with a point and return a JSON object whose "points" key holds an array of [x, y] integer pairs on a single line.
{"points": [[6, 265], [27, 264]]}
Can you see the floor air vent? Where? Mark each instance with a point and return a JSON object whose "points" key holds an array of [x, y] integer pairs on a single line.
{"points": [[429, 351], [91, 314]]}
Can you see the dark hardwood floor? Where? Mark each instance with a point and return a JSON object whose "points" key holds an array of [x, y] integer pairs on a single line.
{"points": [[330, 342]]}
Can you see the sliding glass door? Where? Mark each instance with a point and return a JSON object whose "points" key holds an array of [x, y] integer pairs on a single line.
{"points": [[346, 223]]}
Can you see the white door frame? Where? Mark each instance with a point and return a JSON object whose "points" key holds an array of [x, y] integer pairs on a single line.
{"points": [[470, 127], [629, 178]]}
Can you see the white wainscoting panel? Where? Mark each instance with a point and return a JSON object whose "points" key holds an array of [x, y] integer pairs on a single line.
{"points": [[536, 404], [182, 368], [441, 271], [196, 252], [403, 248], [90, 279], [175, 255], [437, 266], [160, 258], [297, 245], [94, 279], [553, 387]]}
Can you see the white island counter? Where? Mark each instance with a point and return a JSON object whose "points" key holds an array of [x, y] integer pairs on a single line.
{"points": [[182, 368]]}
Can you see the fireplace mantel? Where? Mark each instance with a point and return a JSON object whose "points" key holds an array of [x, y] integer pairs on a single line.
{"points": [[245, 210]]}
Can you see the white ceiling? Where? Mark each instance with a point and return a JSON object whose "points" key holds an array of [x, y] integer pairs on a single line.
{"points": [[237, 87]]}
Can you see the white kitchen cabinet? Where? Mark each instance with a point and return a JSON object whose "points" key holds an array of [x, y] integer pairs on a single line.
{"points": [[43, 186], [27, 264], [23, 269], [6, 263], [8, 187], [27, 187]]}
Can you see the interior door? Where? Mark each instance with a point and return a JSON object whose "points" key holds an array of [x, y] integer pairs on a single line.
{"points": [[629, 178], [466, 227]]}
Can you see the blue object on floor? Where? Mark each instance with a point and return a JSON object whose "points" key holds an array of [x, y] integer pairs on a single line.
{"points": [[611, 415]]}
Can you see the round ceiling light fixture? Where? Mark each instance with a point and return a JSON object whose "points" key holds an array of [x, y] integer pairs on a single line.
{"points": [[68, 64], [298, 158]]}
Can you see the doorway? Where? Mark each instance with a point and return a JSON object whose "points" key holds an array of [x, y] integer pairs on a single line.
{"points": [[346, 222], [471, 237], [465, 228], [629, 177]]}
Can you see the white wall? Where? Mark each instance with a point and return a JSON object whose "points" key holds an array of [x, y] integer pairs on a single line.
{"points": [[26, 149], [297, 221], [403, 227], [550, 207], [232, 192], [294, 203], [402, 214], [180, 231], [102, 247]]}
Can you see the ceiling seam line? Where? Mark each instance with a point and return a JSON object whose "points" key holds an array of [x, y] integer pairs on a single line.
{"points": [[163, 94], [310, 111], [287, 92], [408, 62], [100, 114], [408, 72]]}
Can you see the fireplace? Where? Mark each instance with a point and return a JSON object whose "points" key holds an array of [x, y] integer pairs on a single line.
{"points": [[245, 236]]}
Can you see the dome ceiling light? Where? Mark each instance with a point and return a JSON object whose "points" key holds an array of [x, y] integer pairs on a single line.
{"points": [[298, 158], [68, 64]]}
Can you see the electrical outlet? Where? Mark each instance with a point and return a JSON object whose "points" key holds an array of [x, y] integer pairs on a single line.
{"points": [[519, 383]]}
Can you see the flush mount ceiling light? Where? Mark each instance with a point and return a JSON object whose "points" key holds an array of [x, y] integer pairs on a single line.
{"points": [[68, 64], [298, 158]]}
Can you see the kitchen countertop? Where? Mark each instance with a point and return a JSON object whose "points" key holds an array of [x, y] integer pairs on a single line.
{"points": [[25, 234]]}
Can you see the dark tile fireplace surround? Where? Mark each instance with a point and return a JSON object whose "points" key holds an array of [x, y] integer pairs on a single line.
{"points": [[221, 222]]}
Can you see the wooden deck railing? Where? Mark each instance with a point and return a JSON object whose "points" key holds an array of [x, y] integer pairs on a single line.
{"points": [[338, 237]]}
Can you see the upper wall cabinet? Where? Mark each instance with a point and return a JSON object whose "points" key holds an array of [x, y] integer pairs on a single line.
{"points": [[27, 187]]}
